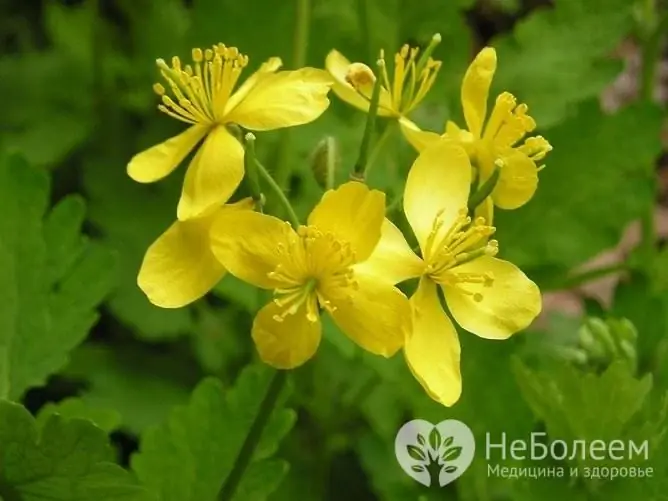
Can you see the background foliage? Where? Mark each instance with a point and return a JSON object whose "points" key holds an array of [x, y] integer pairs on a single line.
{"points": [[109, 397]]}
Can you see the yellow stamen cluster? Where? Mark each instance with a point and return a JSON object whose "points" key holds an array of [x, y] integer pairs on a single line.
{"points": [[464, 241], [314, 267], [410, 83], [201, 90], [509, 123]]}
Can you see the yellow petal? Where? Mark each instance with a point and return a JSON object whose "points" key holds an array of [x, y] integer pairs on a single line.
{"points": [[337, 65], [438, 183], [179, 267], [518, 181], [160, 160], [213, 175], [247, 244], [509, 305], [419, 139], [286, 343], [432, 350], [283, 99], [271, 65], [376, 315], [392, 260], [354, 214], [475, 89]]}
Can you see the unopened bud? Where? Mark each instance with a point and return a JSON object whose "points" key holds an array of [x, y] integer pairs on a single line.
{"points": [[324, 162], [361, 78]]}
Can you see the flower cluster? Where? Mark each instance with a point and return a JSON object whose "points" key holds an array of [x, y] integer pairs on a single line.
{"points": [[347, 258]]}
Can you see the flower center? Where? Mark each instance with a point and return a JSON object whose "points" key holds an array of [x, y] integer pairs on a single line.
{"points": [[316, 269], [201, 91], [447, 249], [409, 84]]}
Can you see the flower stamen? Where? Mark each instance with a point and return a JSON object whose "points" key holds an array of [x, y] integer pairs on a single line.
{"points": [[201, 90]]}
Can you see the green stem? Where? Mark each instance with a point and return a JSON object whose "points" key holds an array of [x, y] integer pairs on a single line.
{"points": [[378, 147], [477, 197], [331, 153], [359, 170], [254, 436], [252, 176], [294, 220], [279, 379], [589, 276], [299, 53], [365, 26], [302, 28]]}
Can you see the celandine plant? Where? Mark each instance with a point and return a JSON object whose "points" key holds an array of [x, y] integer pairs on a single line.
{"points": [[346, 258]]}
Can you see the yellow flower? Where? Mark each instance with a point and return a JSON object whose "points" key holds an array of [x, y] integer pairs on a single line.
{"points": [[179, 267], [204, 97], [494, 141], [353, 83], [487, 296], [311, 268]]}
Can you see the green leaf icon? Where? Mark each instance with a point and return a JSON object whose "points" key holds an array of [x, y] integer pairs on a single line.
{"points": [[418, 468], [435, 439], [421, 440], [416, 453], [448, 442], [450, 469], [451, 453]]}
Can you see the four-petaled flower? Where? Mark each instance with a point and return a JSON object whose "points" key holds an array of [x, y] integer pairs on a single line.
{"points": [[487, 296], [411, 81], [494, 142], [316, 266], [204, 96], [348, 258]]}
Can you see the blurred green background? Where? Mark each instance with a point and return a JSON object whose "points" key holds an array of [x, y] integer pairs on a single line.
{"points": [[78, 336]]}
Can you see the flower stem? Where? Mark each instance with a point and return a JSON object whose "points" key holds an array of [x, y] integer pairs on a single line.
{"points": [[252, 176], [479, 196], [278, 191], [254, 436], [299, 53], [280, 377], [365, 26], [377, 148], [359, 170]]}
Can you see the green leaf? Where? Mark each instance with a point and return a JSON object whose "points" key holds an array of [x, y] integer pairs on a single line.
{"points": [[189, 457], [564, 227], [558, 57], [416, 453], [51, 278], [141, 385], [65, 459], [71, 408], [435, 439], [452, 453], [576, 405], [637, 300], [583, 405]]}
